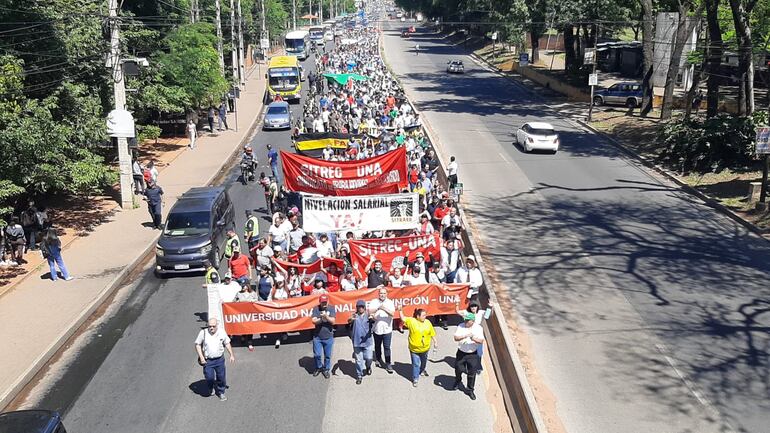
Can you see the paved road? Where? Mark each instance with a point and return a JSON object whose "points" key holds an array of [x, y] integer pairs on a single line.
{"points": [[137, 372], [639, 308]]}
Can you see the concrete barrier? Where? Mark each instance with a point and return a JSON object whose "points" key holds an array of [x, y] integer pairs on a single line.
{"points": [[571, 92]]}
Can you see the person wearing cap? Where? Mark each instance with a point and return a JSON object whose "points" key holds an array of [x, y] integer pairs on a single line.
{"points": [[348, 282], [471, 274], [324, 246], [212, 274], [414, 277], [324, 318], [382, 310], [308, 252], [421, 334], [469, 336], [481, 314], [251, 229], [240, 267], [360, 324]]}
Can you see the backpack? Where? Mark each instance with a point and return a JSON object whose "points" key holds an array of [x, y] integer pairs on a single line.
{"points": [[147, 175]]}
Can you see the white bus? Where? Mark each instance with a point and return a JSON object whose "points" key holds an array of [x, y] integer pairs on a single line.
{"points": [[317, 35], [298, 44]]}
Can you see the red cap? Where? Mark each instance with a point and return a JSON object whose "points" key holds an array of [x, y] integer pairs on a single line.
{"points": [[323, 298]]}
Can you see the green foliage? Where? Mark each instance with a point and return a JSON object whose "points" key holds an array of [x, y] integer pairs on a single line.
{"points": [[8, 193], [11, 84], [708, 145], [191, 68], [147, 132]]}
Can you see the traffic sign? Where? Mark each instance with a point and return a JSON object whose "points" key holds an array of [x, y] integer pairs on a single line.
{"points": [[523, 59], [763, 141], [589, 56], [264, 43], [593, 79], [494, 36], [458, 189]]}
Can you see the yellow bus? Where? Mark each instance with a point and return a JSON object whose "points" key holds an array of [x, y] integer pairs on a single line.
{"points": [[284, 76]]}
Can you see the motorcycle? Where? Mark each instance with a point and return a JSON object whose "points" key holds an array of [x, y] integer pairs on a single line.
{"points": [[247, 171]]}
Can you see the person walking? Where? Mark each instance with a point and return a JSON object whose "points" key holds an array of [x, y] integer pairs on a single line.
{"points": [[421, 334], [192, 133], [16, 241], [324, 318], [231, 244], [382, 310], [30, 226], [451, 172], [223, 116], [251, 229], [210, 346], [154, 197], [212, 274], [469, 336], [360, 323], [272, 158], [212, 113], [50, 246], [136, 171]]}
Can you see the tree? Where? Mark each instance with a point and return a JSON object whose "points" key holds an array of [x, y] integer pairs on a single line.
{"points": [[742, 10], [190, 68], [537, 15], [685, 25], [714, 51], [648, 33]]}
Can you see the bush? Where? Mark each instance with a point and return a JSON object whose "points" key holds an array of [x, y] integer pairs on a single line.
{"points": [[147, 132], [708, 145]]}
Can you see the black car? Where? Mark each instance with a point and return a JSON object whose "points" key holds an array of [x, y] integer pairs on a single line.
{"points": [[455, 67], [31, 421], [195, 230]]}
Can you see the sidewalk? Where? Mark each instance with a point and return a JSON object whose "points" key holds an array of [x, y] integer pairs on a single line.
{"points": [[39, 315]]}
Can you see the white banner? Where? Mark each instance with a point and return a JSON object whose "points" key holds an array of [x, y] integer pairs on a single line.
{"points": [[366, 213]]}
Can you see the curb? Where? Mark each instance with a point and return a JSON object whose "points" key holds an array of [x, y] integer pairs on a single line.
{"points": [[709, 201], [646, 162], [37, 365], [521, 407]]}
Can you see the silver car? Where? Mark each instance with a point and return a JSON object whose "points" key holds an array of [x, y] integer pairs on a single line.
{"points": [[278, 116], [455, 67]]}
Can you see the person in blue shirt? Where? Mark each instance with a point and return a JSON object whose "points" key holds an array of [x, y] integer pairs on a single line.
{"points": [[272, 158], [154, 196], [360, 324]]}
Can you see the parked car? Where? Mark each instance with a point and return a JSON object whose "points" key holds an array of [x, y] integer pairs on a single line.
{"points": [[278, 116], [455, 67], [31, 421], [628, 94], [195, 230], [537, 136]]}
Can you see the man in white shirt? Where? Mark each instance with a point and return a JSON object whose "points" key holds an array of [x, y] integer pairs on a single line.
{"points": [[210, 346], [415, 277], [451, 172], [262, 253], [382, 309], [475, 280], [325, 246], [469, 336], [328, 152], [278, 235]]}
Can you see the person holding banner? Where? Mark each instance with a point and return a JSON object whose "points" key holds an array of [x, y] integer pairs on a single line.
{"points": [[360, 324], [421, 334], [376, 277], [382, 310], [324, 318]]}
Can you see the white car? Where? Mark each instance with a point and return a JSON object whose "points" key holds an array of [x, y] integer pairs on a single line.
{"points": [[537, 136], [329, 36]]}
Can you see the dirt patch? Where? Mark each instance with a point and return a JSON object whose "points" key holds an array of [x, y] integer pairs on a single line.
{"points": [[77, 216]]}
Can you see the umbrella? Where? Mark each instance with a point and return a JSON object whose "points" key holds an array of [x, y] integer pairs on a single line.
{"points": [[342, 79], [309, 17]]}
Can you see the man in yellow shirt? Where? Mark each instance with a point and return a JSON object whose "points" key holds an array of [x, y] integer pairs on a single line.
{"points": [[421, 333]]}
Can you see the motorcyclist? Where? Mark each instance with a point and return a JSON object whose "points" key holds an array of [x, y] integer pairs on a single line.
{"points": [[248, 160]]}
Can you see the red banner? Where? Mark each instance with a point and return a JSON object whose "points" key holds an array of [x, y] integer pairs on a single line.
{"points": [[384, 174], [244, 318], [391, 251], [316, 266]]}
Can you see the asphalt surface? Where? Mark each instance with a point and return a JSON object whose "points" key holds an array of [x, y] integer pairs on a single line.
{"points": [[641, 308], [137, 371]]}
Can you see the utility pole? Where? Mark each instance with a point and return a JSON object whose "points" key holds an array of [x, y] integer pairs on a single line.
{"points": [[294, 14], [593, 72], [241, 65], [320, 11], [265, 33], [192, 11], [119, 92], [310, 10], [234, 51], [218, 6]]}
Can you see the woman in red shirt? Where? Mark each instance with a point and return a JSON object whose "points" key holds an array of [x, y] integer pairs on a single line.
{"points": [[333, 275]]}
